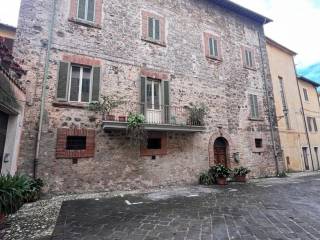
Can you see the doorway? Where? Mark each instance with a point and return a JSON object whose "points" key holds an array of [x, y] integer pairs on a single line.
{"points": [[153, 101], [3, 131], [221, 152], [305, 158]]}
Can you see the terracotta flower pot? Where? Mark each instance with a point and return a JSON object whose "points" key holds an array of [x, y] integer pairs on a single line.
{"points": [[122, 118], [240, 178], [110, 118], [221, 180]]}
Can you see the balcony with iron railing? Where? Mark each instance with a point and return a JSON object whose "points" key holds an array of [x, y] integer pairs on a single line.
{"points": [[156, 118]]}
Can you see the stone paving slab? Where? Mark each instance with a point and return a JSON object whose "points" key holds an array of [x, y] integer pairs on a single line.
{"points": [[266, 211]]}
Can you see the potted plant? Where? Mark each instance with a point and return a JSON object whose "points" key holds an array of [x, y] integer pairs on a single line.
{"points": [[220, 174], [197, 112], [206, 179], [135, 129], [240, 174], [105, 105]]}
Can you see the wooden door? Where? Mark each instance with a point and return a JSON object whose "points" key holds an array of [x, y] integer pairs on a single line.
{"points": [[3, 131], [220, 152]]}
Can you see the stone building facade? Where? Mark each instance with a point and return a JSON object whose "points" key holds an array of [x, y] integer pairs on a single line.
{"points": [[178, 52]]}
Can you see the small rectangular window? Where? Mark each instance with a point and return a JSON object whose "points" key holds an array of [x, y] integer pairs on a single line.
{"points": [[258, 142], [305, 93], [154, 28], [213, 47], [154, 143], [309, 119], [86, 10], [254, 106], [248, 57], [76, 142]]}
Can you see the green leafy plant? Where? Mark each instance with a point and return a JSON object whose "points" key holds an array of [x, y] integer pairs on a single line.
{"points": [[241, 171], [219, 171], [16, 190], [282, 174], [206, 179], [105, 105], [197, 113], [135, 129]]}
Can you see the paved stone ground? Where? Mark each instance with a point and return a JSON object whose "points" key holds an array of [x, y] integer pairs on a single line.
{"points": [[268, 209]]}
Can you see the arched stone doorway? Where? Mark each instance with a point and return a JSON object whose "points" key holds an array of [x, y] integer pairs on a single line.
{"points": [[220, 149]]}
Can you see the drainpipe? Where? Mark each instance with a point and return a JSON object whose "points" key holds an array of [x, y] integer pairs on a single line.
{"points": [[268, 104], [304, 116], [44, 88]]}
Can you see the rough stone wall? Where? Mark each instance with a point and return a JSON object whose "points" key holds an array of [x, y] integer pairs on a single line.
{"points": [[223, 86]]}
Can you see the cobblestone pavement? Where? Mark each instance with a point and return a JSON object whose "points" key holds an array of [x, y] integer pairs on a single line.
{"points": [[270, 209]]}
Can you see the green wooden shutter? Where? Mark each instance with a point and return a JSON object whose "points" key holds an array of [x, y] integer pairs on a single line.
{"points": [[166, 101], [96, 84], [256, 106], [157, 29], [143, 95], [150, 27], [63, 76]]}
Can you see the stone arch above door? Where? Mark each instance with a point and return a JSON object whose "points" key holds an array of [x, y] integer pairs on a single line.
{"points": [[220, 132]]}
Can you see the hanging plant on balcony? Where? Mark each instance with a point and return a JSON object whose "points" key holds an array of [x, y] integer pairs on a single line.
{"points": [[105, 105], [197, 112], [135, 129]]}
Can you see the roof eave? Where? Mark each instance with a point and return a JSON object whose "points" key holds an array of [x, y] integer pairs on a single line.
{"points": [[243, 11]]}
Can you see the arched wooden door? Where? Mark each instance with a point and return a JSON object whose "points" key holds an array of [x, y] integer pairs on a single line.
{"points": [[221, 151]]}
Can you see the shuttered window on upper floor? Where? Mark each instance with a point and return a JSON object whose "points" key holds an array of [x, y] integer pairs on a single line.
{"points": [[77, 83], [254, 107], [305, 93], [248, 58]]}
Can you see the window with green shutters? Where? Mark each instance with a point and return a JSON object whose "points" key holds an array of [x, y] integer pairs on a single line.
{"points": [[154, 29], [86, 10], [254, 107], [248, 58], [77, 83]]}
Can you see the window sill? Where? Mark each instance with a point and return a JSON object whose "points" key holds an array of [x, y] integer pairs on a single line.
{"points": [[214, 59], [255, 119], [250, 68], [70, 105], [159, 43], [85, 23]]}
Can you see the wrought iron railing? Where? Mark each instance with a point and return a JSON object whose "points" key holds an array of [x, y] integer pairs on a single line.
{"points": [[154, 114]]}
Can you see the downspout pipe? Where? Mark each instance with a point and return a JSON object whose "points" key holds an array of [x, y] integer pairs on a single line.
{"points": [[268, 104], [44, 88], [304, 117]]}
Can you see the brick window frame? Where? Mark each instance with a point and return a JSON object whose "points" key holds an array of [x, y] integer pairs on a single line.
{"points": [[63, 133], [206, 37], [98, 14], [145, 36], [243, 57], [144, 151]]}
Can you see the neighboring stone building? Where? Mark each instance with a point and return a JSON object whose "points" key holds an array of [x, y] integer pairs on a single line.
{"points": [[8, 34], [311, 108], [158, 56], [12, 101], [295, 114]]}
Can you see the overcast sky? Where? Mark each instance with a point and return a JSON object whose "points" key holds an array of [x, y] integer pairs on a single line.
{"points": [[296, 26]]}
